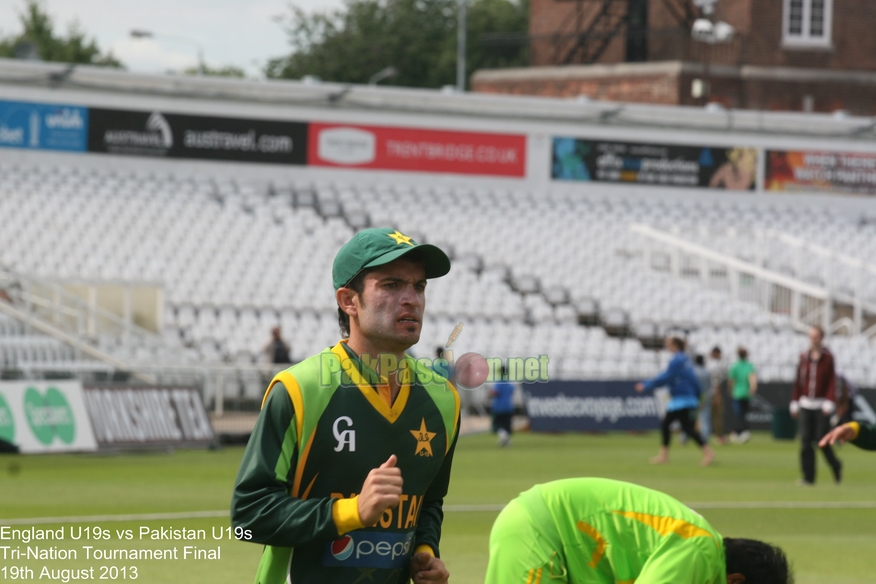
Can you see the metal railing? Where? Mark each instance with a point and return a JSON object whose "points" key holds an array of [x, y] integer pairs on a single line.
{"points": [[804, 303], [79, 344], [232, 394], [851, 292], [50, 303]]}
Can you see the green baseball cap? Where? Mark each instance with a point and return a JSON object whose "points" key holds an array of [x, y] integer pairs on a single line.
{"points": [[377, 247]]}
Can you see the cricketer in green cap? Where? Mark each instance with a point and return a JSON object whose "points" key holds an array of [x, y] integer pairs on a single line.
{"points": [[354, 445], [380, 245]]}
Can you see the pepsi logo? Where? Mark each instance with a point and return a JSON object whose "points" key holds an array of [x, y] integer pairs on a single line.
{"points": [[342, 548]]}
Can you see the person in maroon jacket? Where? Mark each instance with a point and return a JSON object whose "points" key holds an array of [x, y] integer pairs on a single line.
{"points": [[812, 404]]}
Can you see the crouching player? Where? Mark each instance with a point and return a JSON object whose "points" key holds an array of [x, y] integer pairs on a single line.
{"points": [[601, 531], [862, 436]]}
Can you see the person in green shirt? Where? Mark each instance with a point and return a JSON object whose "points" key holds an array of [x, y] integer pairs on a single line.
{"points": [[602, 531], [742, 384], [344, 476], [862, 436]]}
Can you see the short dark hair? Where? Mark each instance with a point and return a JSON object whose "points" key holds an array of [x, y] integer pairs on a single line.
{"points": [[678, 342], [700, 360], [357, 285], [742, 352], [759, 562], [716, 350]]}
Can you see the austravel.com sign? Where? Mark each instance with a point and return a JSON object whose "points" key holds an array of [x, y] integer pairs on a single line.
{"points": [[561, 406]]}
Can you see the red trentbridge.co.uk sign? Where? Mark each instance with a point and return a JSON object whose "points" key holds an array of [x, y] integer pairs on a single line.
{"points": [[413, 149]]}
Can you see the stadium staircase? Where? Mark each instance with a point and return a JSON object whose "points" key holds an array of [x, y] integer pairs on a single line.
{"points": [[72, 335]]}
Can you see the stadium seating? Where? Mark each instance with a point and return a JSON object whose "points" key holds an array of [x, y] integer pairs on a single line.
{"points": [[534, 273], [31, 352]]}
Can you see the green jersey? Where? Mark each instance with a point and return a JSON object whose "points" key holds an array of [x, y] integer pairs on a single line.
{"points": [[740, 374], [865, 436], [601, 531], [322, 429]]}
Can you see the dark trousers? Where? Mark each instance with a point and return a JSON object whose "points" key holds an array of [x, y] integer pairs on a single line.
{"points": [[814, 424], [686, 418], [740, 408], [502, 422]]}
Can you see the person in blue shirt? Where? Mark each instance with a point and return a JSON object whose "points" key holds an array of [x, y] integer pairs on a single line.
{"points": [[684, 392], [502, 407]]}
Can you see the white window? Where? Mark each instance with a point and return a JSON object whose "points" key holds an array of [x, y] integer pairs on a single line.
{"points": [[807, 23]]}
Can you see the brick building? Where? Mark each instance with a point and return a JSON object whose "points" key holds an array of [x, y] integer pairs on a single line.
{"points": [[798, 55]]}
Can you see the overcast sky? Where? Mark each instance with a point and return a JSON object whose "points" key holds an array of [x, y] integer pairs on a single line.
{"points": [[231, 32]]}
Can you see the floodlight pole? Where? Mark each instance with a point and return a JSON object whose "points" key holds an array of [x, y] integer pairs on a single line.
{"points": [[460, 47], [710, 39]]}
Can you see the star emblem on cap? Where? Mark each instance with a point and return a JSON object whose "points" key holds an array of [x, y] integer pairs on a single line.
{"points": [[400, 238], [424, 439]]}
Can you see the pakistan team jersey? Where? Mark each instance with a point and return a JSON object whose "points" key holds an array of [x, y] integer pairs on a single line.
{"points": [[865, 436], [322, 429], [601, 531]]}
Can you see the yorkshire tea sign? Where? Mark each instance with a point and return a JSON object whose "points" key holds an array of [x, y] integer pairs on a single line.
{"points": [[136, 417]]}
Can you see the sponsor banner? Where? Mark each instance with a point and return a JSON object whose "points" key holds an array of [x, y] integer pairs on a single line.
{"points": [[563, 406], [836, 172], [156, 133], [43, 126], [146, 416], [43, 416], [576, 159], [770, 397], [369, 549], [412, 149]]}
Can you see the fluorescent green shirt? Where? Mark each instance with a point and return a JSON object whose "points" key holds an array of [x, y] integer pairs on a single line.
{"points": [[740, 374], [601, 531]]}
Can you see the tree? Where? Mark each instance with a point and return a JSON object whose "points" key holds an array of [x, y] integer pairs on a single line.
{"points": [[487, 18], [223, 71], [39, 32], [417, 37]]}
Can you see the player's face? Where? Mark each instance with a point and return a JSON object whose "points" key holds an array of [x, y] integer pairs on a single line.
{"points": [[815, 337], [390, 315]]}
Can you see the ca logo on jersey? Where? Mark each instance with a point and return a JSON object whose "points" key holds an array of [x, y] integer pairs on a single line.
{"points": [[345, 437]]}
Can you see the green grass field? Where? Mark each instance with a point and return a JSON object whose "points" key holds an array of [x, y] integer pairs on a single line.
{"points": [[828, 531]]}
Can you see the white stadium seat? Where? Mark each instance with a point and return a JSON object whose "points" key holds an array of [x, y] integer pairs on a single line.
{"points": [[237, 257]]}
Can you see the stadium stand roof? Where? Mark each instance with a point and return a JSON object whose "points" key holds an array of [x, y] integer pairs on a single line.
{"points": [[342, 96]]}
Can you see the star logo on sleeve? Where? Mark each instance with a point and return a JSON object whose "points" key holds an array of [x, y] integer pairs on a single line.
{"points": [[400, 238], [424, 439]]}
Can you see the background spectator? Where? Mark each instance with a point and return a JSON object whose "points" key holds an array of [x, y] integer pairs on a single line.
{"points": [[813, 401], [278, 349], [742, 384]]}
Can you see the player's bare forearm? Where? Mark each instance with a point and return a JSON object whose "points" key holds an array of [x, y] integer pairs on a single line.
{"points": [[839, 434]]}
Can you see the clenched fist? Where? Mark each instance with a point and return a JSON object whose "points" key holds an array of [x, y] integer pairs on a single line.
{"points": [[380, 491]]}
